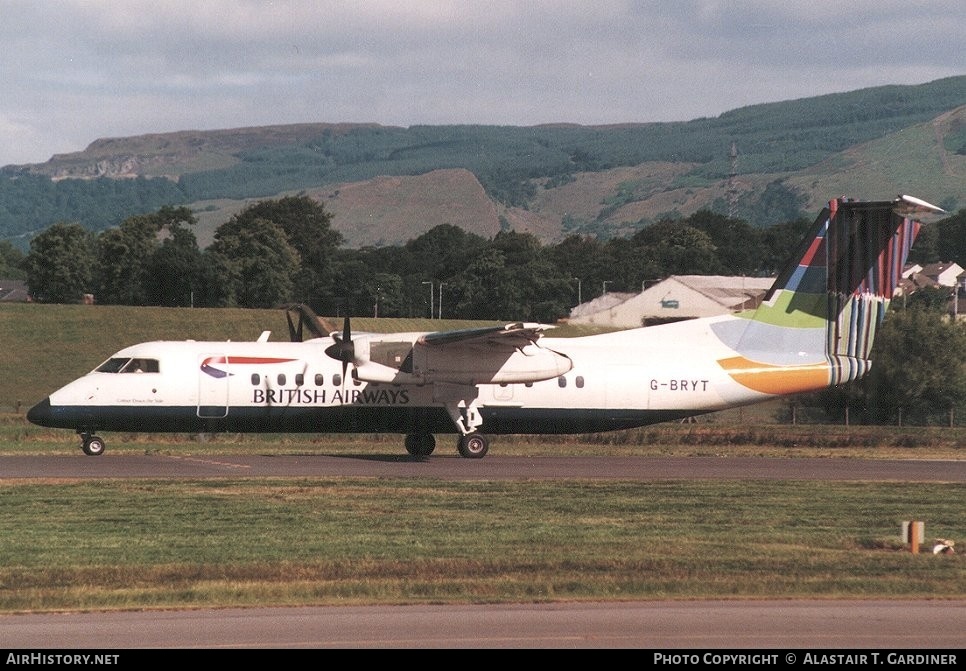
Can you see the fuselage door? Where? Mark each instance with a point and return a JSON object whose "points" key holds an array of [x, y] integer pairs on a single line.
{"points": [[503, 392], [214, 375]]}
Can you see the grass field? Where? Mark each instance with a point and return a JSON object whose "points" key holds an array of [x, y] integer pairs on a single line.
{"points": [[132, 544], [150, 543]]}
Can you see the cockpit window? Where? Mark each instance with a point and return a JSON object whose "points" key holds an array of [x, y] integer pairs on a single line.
{"points": [[128, 365], [112, 365], [141, 366]]}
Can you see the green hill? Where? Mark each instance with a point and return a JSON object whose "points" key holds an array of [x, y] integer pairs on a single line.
{"points": [[390, 184]]}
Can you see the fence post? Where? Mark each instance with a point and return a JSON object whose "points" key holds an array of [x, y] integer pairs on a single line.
{"points": [[913, 532]]}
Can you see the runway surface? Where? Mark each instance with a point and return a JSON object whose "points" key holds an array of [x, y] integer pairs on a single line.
{"points": [[659, 625], [880, 625], [490, 467]]}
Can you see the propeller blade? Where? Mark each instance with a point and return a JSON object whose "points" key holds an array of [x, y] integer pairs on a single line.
{"points": [[318, 328], [342, 349], [294, 332]]}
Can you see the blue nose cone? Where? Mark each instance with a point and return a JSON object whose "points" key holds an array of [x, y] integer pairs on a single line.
{"points": [[40, 413]]}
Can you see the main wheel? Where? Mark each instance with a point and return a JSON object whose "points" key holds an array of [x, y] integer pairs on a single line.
{"points": [[93, 446], [473, 446], [420, 444]]}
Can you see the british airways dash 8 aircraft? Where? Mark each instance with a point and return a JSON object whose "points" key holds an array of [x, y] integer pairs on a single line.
{"points": [[814, 329]]}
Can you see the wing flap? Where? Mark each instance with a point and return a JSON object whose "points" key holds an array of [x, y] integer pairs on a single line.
{"points": [[511, 336]]}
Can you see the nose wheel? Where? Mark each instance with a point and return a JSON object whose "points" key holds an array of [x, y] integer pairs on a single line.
{"points": [[93, 446]]}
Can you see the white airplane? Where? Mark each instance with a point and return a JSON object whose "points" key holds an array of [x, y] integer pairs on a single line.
{"points": [[813, 330]]}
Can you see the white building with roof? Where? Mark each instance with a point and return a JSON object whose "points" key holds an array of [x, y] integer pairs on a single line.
{"points": [[945, 273], [673, 299]]}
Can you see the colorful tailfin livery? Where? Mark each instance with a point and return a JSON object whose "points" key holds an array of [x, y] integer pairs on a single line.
{"points": [[816, 325]]}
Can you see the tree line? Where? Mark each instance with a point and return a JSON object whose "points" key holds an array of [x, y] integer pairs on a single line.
{"points": [[283, 251]]}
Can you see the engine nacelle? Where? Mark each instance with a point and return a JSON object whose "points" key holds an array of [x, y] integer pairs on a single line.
{"points": [[412, 362]]}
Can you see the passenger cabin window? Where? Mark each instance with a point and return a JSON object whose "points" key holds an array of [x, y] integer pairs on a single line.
{"points": [[256, 378]]}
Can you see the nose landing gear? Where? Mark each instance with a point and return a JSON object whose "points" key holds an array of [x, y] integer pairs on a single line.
{"points": [[92, 445]]}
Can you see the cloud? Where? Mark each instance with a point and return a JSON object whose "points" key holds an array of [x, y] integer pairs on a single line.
{"points": [[78, 70]]}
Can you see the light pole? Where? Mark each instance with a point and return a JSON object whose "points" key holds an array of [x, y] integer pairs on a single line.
{"points": [[440, 305], [580, 299], [604, 283], [430, 298]]}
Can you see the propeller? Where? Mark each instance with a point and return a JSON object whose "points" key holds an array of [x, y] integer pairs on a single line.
{"points": [[342, 349], [294, 331]]}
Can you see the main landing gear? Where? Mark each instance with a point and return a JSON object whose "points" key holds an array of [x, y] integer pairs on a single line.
{"points": [[471, 444], [93, 446], [420, 444]]}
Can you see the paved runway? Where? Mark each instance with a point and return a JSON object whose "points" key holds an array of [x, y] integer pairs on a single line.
{"points": [[490, 467], [659, 625]]}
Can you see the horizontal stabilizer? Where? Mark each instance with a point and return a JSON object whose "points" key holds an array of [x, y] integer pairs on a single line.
{"points": [[908, 205]]}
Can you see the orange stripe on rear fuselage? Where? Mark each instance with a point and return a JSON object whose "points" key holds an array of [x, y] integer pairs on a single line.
{"points": [[769, 379]]}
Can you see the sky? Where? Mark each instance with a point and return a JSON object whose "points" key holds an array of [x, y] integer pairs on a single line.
{"points": [[73, 71]]}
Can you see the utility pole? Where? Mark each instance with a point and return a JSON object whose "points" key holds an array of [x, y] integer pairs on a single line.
{"points": [[732, 184], [430, 298], [440, 300], [580, 299]]}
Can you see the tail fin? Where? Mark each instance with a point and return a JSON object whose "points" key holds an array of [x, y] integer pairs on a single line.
{"points": [[817, 323]]}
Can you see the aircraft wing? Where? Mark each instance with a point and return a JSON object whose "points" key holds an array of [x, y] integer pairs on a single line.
{"points": [[499, 354], [509, 336]]}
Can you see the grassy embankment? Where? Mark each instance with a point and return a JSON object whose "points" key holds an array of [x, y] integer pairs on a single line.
{"points": [[132, 544]]}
